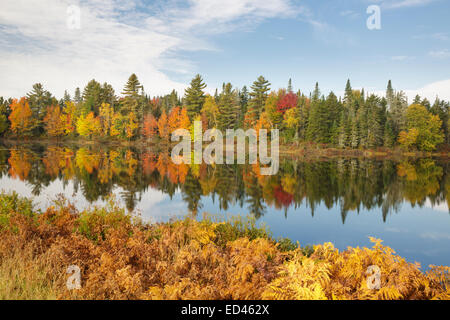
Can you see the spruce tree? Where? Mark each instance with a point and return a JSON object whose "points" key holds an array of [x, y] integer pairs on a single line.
{"points": [[318, 125], [77, 96], [348, 97], [243, 104], [375, 125], [66, 97], [194, 97], [289, 88], [389, 94]]}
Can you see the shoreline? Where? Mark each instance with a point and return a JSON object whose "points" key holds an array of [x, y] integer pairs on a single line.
{"points": [[301, 151]]}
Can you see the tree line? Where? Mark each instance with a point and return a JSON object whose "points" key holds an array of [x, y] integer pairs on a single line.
{"points": [[357, 120]]}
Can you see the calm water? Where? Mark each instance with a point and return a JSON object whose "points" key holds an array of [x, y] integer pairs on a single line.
{"points": [[341, 201]]}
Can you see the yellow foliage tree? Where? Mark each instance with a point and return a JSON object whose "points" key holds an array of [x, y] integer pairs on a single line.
{"points": [[88, 125]]}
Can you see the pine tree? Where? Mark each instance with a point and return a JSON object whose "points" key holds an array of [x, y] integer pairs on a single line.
{"points": [[258, 96], [132, 87], [91, 97], [133, 94], [228, 107], [194, 97], [39, 99]]}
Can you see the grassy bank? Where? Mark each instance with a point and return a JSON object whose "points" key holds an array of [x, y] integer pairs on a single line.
{"points": [[121, 257]]}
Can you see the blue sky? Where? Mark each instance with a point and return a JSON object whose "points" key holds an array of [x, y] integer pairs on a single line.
{"points": [[167, 42]]}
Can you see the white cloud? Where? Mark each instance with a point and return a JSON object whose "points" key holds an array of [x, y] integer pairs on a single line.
{"points": [[430, 91], [116, 39], [405, 3], [440, 54], [441, 36]]}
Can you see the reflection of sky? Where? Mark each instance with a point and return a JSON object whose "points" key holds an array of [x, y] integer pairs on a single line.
{"points": [[418, 234]]}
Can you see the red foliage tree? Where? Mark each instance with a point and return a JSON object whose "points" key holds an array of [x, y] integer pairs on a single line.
{"points": [[287, 102]]}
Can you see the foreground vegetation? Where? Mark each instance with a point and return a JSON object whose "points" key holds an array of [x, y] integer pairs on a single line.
{"points": [[121, 257]]}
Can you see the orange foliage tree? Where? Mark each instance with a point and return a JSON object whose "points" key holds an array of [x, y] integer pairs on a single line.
{"points": [[173, 121], [150, 126], [163, 126], [54, 122], [21, 119]]}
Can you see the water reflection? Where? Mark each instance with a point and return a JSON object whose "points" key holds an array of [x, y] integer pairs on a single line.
{"points": [[351, 184]]}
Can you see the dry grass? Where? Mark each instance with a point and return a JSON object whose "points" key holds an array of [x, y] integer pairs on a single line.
{"points": [[123, 258]]}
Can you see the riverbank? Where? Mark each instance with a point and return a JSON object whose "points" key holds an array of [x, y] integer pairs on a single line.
{"points": [[297, 151], [120, 257]]}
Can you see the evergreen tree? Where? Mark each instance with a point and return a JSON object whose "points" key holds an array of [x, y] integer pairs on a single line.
{"points": [[348, 97], [332, 111], [39, 99], [91, 97], [194, 97], [389, 94], [133, 95], [319, 122], [375, 125], [397, 111], [417, 99], [441, 108], [243, 104], [107, 95], [66, 97], [303, 105], [228, 107], [77, 97], [258, 96], [289, 88], [426, 103]]}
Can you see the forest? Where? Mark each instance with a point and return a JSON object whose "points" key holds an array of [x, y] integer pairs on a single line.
{"points": [[355, 121]]}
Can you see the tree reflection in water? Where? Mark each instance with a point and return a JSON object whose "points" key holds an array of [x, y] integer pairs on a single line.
{"points": [[350, 183]]}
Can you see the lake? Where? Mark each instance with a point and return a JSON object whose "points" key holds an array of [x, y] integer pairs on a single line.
{"points": [[343, 201]]}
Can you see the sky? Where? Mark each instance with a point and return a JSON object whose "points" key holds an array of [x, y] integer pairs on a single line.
{"points": [[167, 42]]}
